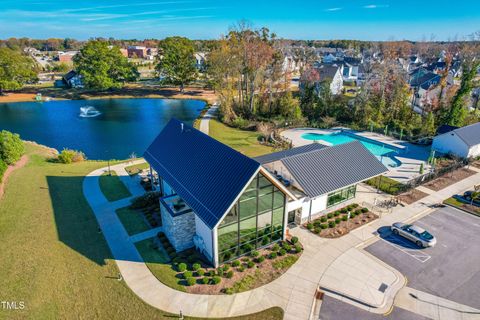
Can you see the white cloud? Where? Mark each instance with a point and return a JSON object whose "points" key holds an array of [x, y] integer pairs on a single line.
{"points": [[375, 6], [333, 9]]}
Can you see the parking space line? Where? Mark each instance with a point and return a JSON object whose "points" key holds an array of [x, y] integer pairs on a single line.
{"points": [[399, 244]]}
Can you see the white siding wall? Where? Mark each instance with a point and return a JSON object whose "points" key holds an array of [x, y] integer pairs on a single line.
{"points": [[205, 233], [474, 151], [450, 143]]}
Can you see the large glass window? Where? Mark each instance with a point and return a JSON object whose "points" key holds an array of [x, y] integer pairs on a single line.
{"points": [[340, 196], [255, 221]]}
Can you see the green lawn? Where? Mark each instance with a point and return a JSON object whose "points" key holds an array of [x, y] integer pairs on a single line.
{"points": [[243, 141], [132, 221], [136, 168], [158, 263], [385, 184], [112, 187], [463, 206], [53, 257]]}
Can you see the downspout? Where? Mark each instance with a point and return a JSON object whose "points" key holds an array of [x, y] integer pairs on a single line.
{"points": [[310, 211]]}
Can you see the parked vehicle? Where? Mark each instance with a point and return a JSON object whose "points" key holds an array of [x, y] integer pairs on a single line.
{"points": [[473, 197], [420, 236]]}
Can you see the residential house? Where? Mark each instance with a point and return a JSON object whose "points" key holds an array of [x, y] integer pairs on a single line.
{"points": [[351, 67], [200, 60], [462, 142], [332, 73], [139, 52], [66, 56], [72, 79], [226, 204]]}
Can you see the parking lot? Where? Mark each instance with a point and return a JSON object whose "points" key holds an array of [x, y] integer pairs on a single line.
{"points": [[451, 269]]}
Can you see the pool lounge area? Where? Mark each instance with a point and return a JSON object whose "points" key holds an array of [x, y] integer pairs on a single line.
{"points": [[401, 158]]}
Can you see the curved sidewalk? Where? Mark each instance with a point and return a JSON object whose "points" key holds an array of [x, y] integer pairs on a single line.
{"points": [[294, 291]]}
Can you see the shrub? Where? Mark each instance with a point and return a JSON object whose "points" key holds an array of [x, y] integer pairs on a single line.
{"points": [[345, 218], [323, 219], [241, 123], [228, 291], [352, 214], [336, 213], [200, 272], [205, 280], [273, 255], [250, 264], [182, 267], [343, 210], [3, 168], [11, 147], [287, 247], [337, 220], [354, 205], [220, 272], [261, 259], [191, 281], [225, 267], [331, 224], [196, 266], [241, 269], [310, 226], [216, 280], [275, 247], [187, 274], [149, 199], [330, 215], [364, 210], [236, 263], [323, 226], [210, 273], [316, 223], [298, 248], [255, 253], [68, 156], [358, 211], [317, 230], [282, 252], [229, 274]]}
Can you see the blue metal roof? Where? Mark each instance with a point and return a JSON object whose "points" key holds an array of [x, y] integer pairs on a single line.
{"points": [[207, 174]]}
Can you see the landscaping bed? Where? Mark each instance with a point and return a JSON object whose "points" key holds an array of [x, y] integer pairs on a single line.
{"points": [[412, 196], [463, 206], [336, 224], [189, 271], [449, 179], [386, 184], [136, 168], [112, 187], [148, 205]]}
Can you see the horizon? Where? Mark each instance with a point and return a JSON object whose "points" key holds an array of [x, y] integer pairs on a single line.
{"points": [[149, 19]]}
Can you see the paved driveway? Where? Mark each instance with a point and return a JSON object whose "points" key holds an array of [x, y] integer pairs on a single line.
{"points": [[451, 269]]}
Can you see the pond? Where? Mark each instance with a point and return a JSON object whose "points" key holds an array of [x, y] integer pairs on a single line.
{"points": [[102, 129]]}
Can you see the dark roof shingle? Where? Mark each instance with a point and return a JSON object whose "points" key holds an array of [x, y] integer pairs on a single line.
{"points": [[207, 174], [329, 169]]}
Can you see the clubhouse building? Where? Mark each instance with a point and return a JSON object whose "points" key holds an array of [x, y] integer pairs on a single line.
{"points": [[226, 204]]}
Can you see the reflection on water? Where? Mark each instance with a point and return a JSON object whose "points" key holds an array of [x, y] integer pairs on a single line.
{"points": [[110, 129]]}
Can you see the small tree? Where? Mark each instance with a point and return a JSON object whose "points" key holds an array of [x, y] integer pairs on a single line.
{"points": [[177, 61], [11, 147], [16, 69]]}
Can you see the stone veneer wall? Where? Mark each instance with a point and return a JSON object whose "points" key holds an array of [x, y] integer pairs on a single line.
{"points": [[179, 230]]}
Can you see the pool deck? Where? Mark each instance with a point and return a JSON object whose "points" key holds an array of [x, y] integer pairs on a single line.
{"points": [[411, 156]]}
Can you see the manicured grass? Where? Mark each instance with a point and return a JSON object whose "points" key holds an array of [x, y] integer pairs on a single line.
{"points": [[463, 206], [385, 184], [132, 221], [136, 168], [158, 263], [53, 257], [243, 141], [112, 187], [286, 262]]}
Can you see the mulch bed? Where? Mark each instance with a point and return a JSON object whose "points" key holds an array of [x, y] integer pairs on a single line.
{"points": [[476, 164], [411, 196], [449, 179], [345, 227]]}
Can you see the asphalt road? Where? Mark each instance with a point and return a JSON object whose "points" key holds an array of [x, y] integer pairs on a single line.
{"points": [[333, 309], [451, 269]]}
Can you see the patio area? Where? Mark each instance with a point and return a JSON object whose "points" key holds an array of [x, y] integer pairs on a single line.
{"points": [[403, 162]]}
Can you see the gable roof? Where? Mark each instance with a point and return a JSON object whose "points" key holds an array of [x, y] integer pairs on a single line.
{"points": [[271, 157], [329, 169], [205, 173], [327, 72], [469, 134]]}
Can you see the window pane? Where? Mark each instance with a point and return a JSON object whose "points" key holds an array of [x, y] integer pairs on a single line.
{"points": [[278, 199], [265, 220], [263, 182], [227, 237], [265, 202], [265, 190], [228, 255], [278, 217], [264, 240], [247, 247], [232, 216], [248, 226], [248, 208]]}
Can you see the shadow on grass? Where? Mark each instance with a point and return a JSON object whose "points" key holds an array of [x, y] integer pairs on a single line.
{"points": [[76, 224]]}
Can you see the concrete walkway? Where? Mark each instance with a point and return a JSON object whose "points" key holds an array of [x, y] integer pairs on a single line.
{"points": [[321, 261], [211, 113]]}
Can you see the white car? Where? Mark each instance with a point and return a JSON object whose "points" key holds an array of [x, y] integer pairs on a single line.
{"points": [[421, 237]]}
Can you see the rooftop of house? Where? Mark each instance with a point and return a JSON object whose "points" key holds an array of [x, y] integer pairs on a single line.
{"points": [[327, 71], [204, 172], [319, 169], [469, 134]]}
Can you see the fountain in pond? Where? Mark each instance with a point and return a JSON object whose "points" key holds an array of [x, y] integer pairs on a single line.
{"points": [[89, 112]]}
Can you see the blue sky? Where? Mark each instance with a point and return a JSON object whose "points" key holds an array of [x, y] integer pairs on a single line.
{"points": [[307, 19]]}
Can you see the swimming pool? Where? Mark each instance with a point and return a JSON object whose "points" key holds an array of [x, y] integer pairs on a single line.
{"points": [[384, 152]]}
